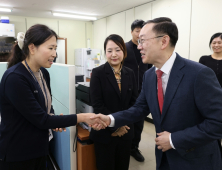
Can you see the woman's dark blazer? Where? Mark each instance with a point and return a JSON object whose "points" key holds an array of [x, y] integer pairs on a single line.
{"points": [[107, 99], [25, 122]]}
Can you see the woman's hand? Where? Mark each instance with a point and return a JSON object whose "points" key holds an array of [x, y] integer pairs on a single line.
{"points": [[59, 129], [121, 131], [103, 118]]}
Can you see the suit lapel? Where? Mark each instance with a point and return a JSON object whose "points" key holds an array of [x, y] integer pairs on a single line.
{"points": [[111, 78], [173, 83], [124, 83], [36, 87]]}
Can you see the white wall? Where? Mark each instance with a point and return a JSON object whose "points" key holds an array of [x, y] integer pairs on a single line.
{"points": [[89, 33], [76, 32], [206, 20], [129, 19], [99, 34], [19, 22], [143, 12], [116, 24], [197, 21], [51, 23], [179, 11]]}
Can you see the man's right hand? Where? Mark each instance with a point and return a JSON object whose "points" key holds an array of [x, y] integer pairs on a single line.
{"points": [[102, 117]]}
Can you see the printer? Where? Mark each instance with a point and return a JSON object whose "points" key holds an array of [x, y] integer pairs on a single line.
{"points": [[83, 104]]}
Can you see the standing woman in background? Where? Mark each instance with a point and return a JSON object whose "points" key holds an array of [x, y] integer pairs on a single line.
{"points": [[113, 88], [25, 102], [214, 61]]}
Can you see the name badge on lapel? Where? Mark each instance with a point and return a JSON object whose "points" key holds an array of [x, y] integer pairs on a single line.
{"points": [[36, 91]]}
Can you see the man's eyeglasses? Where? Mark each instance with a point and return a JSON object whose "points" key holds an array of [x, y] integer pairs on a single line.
{"points": [[141, 41]]}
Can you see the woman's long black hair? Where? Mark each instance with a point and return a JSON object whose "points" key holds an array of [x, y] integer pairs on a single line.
{"points": [[37, 35]]}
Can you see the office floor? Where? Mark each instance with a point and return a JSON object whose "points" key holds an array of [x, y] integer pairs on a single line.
{"points": [[147, 147]]}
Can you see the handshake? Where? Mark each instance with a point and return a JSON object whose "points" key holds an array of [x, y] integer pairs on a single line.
{"points": [[100, 121], [96, 121]]}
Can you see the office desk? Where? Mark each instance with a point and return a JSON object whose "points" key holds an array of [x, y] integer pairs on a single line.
{"points": [[86, 159]]}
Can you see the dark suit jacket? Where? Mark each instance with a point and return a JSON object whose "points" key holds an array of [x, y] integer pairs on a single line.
{"points": [[106, 97], [192, 113], [25, 122], [138, 68]]}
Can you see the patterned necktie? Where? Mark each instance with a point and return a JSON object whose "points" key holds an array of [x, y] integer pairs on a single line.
{"points": [[159, 74]]}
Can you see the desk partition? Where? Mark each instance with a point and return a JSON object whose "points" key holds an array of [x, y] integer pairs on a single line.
{"points": [[3, 67], [63, 101]]}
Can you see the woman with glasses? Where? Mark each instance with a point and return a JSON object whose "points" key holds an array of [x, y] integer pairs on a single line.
{"points": [[113, 88]]}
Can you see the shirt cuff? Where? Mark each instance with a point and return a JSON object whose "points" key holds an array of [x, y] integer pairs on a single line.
{"points": [[112, 123], [171, 143]]}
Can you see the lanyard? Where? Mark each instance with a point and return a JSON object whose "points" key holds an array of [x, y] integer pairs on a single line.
{"points": [[39, 85]]}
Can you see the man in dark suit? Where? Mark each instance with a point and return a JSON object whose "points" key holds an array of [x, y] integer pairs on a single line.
{"points": [[184, 98], [134, 61]]}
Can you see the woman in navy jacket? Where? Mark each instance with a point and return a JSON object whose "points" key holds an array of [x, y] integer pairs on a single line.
{"points": [[25, 102], [113, 88]]}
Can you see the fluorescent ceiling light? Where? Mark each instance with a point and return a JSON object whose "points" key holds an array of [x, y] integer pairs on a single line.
{"points": [[74, 16], [76, 13], [5, 10]]}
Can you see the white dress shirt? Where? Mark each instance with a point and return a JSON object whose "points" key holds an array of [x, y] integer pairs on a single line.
{"points": [[166, 69]]}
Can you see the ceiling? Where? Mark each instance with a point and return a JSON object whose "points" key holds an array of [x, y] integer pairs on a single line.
{"points": [[43, 8]]}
